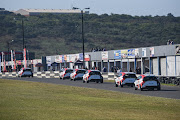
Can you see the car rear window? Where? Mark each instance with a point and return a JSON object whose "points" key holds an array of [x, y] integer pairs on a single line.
{"points": [[27, 70], [69, 71], [81, 71], [147, 78], [130, 76], [95, 73]]}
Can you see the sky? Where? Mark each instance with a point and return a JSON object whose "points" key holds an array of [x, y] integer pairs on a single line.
{"points": [[129, 7]]}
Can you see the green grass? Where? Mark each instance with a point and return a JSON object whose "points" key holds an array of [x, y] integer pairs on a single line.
{"points": [[22, 100]]}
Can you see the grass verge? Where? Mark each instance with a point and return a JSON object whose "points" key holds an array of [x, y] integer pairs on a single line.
{"points": [[22, 100]]}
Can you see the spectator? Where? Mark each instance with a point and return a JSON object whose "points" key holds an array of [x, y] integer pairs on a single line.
{"points": [[112, 69], [104, 69], [172, 42]]}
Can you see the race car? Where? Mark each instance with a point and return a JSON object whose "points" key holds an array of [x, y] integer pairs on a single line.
{"points": [[25, 72], [77, 74], [148, 82], [125, 78], [93, 76], [65, 73]]}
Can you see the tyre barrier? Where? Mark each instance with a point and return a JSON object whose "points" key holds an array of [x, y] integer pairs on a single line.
{"points": [[169, 80]]}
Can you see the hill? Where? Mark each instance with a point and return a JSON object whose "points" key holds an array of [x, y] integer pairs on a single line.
{"points": [[49, 34]]}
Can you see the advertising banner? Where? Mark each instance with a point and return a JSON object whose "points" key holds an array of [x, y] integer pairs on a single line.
{"points": [[87, 57], [124, 53], [131, 53], [60, 58], [151, 52], [117, 54], [143, 52], [72, 58], [81, 56], [57, 59], [104, 55], [178, 50], [68, 58], [63, 59], [18, 62], [136, 52], [48, 60]]}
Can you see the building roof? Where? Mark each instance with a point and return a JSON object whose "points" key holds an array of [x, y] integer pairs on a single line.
{"points": [[53, 11]]}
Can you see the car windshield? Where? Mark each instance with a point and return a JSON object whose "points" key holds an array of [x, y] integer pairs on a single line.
{"points": [[147, 78], [130, 76], [95, 73]]}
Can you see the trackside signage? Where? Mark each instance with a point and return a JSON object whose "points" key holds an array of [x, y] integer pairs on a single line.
{"points": [[104, 55], [117, 54]]}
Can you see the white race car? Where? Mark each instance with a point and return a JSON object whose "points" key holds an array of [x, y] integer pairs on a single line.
{"points": [[147, 82], [125, 78]]}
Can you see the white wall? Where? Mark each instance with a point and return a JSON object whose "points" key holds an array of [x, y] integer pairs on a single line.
{"points": [[163, 66], [178, 65], [171, 65], [155, 66]]}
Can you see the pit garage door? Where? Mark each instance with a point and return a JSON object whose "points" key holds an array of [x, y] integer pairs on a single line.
{"points": [[178, 65], [171, 66], [155, 66], [163, 66]]}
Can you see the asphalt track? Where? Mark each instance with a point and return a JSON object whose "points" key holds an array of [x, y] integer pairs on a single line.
{"points": [[166, 91]]}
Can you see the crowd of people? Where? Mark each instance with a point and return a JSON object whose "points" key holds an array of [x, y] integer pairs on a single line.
{"points": [[98, 49], [170, 42]]}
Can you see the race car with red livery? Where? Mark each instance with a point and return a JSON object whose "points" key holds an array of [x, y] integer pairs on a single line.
{"points": [[149, 82], [65, 73], [93, 76], [77, 74], [125, 78]]}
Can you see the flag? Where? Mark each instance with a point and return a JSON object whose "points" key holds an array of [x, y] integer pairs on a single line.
{"points": [[25, 62], [14, 54], [12, 59]]}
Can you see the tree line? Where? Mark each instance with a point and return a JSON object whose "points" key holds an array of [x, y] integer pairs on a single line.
{"points": [[49, 34]]}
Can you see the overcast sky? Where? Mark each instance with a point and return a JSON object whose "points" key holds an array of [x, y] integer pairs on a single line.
{"points": [[130, 7]]}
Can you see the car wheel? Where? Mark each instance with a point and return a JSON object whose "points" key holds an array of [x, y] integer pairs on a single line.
{"points": [[135, 88], [101, 81], [121, 85], [132, 85], [97, 81], [159, 87], [116, 85]]}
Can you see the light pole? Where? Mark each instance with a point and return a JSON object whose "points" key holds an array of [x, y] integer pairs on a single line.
{"points": [[23, 32], [82, 29], [8, 47], [8, 51]]}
